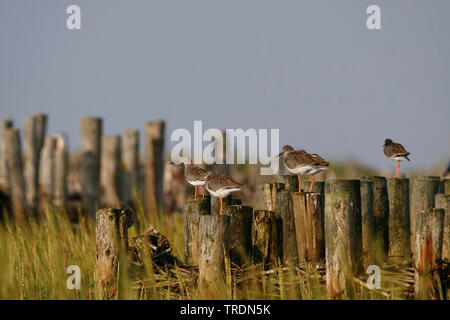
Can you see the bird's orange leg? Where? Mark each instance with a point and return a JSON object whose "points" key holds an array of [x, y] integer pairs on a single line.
{"points": [[195, 195], [312, 184], [203, 192], [398, 168], [299, 184], [221, 206]]}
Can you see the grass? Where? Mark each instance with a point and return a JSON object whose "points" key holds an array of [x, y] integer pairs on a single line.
{"points": [[33, 258]]}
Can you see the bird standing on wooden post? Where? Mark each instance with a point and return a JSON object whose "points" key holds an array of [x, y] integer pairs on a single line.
{"points": [[301, 163], [195, 175], [221, 186], [395, 152]]}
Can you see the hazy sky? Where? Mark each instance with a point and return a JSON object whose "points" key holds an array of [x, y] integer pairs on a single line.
{"points": [[310, 68]]}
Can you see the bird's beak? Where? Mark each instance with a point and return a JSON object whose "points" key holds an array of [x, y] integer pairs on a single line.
{"points": [[279, 154]]}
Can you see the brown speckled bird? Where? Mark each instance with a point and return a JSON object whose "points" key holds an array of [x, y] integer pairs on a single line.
{"points": [[220, 186], [195, 175], [302, 163], [395, 152]]}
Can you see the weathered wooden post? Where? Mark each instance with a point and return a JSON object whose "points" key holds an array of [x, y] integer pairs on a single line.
{"points": [[341, 235], [240, 238], [285, 210], [194, 208], [130, 160], [91, 132], [47, 170], [112, 244], [14, 168], [4, 183], [154, 166], [399, 219], [424, 190], [446, 185], [110, 174], [61, 165], [354, 188], [442, 201], [428, 253], [380, 215], [266, 245], [369, 242], [213, 240], [309, 225], [34, 135]]}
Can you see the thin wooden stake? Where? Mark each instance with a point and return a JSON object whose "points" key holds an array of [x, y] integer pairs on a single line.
{"points": [[192, 212], [110, 174]]}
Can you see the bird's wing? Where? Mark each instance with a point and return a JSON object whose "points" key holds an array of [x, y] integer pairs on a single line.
{"points": [[319, 160], [221, 181], [298, 158]]}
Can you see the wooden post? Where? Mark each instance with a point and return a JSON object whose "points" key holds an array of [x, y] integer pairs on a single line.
{"points": [[446, 185], [266, 233], [14, 167], [309, 225], [61, 165], [240, 238], [370, 253], [47, 170], [110, 176], [154, 166], [428, 253], [354, 188], [91, 132], [192, 212], [341, 235], [269, 194], [221, 167], [380, 215], [34, 135], [442, 201], [4, 183], [213, 239], [112, 243], [399, 219], [424, 190], [284, 210], [130, 160]]}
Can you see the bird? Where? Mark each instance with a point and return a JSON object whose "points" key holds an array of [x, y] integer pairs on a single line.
{"points": [[395, 152], [302, 163], [195, 175], [220, 186]]}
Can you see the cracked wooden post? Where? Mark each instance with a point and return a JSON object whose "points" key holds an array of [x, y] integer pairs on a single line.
{"points": [[341, 233], [285, 211], [34, 135], [192, 212], [47, 171], [130, 160], [110, 172], [442, 201], [368, 224], [380, 216], [4, 183], [213, 240], [240, 238], [112, 247], [61, 166], [309, 225], [354, 188], [424, 190], [428, 253], [91, 133], [14, 167], [399, 219], [154, 167], [266, 245]]}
